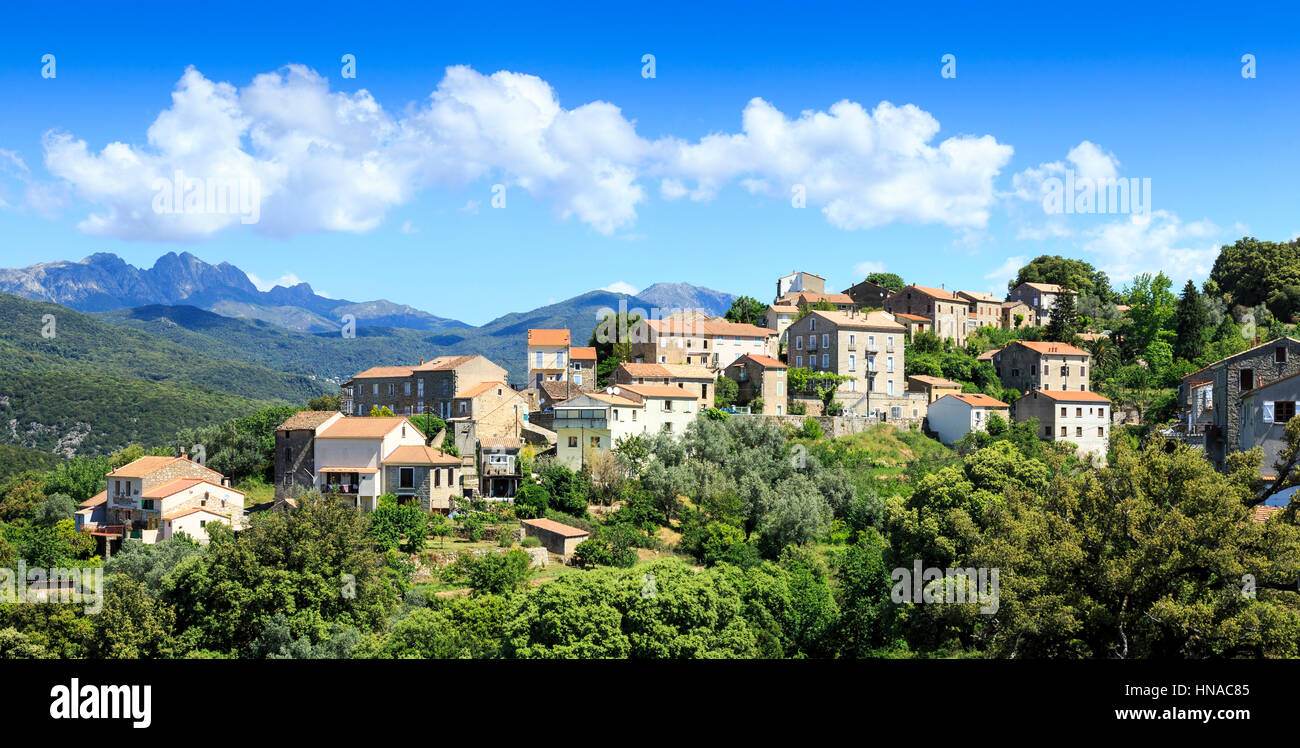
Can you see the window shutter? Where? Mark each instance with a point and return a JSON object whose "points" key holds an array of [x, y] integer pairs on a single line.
{"points": [[1268, 411]]}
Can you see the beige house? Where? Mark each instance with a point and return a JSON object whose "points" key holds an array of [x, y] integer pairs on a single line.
{"points": [[1031, 365], [932, 387], [149, 498], [867, 348], [595, 421], [985, 308], [713, 344], [947, 312], [548, 356], [779, 317], [1081, 418], [840, 302], [914, 323], [1040, 297], [694, 379], [358, 459], [1013, 309], [799, 281], [759, 377], [495, 408]]}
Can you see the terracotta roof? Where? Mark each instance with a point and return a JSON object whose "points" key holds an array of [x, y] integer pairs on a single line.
{"points": [[306, 420], [1262, 512], [94, 501], [834, 298], [913, 317], [870, 321], [611, 399], [475, 390], [173, 487], [658, 390], [1056, 349], [500, 442], [548, 337], [1009, 304], [670, 371], [979, 400], [987, 355], [346, 469], [981, 296], [193, 510], [767, 362], [412, 454], [789, 308], [585, 353], [710, 327], [934, 381], [551, 525], [937, 293], [443, 363], [376, 372], [362, 427], [1068, 396], [1048, 287]]}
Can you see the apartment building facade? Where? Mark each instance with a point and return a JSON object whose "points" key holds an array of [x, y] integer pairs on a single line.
{"points": [[1028, 365], [694, 379], [712, 344], [947, 312], [985, 309], [759, 377], [1080, 418], [429, 387], [868, 348], [1040, 297], [595, 421], [548, 356]]}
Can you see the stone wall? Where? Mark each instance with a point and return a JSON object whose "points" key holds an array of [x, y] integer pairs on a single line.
{"points": [[837, 426]]}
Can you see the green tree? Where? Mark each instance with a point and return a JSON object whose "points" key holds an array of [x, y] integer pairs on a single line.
{"points": [[725, 392], [748, 310], [1064, 323], [892, 281], [1076, 275]]}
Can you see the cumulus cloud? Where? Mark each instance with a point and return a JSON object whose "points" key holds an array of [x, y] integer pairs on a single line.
{"points": [[999, 276], [1150, 244], [324, 160], [864, 168]]}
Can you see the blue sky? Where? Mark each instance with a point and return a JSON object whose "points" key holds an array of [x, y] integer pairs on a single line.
{"points": [[371, 189]]}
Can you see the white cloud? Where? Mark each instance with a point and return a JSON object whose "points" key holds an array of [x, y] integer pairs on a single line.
{"points": [[864, 169], [863, 269], [1150, 244], [999, 276], [337, 161], [621, 287], [287, 280], [409, 228]]}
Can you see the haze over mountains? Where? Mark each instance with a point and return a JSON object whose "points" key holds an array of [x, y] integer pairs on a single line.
{"points": [[217, 310]]}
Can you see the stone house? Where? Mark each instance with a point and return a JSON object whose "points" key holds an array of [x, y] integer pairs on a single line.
{"points": [[694, 379], [867, 348], [423, 474], [559, 539], [1013, 309], [357, 460], [1080, 418], [1221, 386], [840, 302], [947, 312], [582, 365], [295, 451], [713, 343], [933, 387], [499, 467], [985, 308], [1039, 297], [759, 377], [146, 497], [429, 387], [1032, 365], [495, 408], [868, 295]]}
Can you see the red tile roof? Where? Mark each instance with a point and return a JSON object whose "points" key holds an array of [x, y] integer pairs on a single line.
{"points": [[767, 362], [412, 454], [1056, 349], [548, 337], [306, 420], [658, 390], [551, 525], [377, 372], [475, 390], [362, 427], [979, 400], [1262, 512], [1069, 396], [585, 353], [193, 510]]}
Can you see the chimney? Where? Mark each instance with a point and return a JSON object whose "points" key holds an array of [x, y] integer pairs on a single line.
{"points": [[225, 481], [184, 455]]}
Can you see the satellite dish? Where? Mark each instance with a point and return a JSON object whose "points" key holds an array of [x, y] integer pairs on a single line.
{"points": [[613, 390]]}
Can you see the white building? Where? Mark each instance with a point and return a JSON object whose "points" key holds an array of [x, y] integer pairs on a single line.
{"points": [[362, 459], [955, 415], [595, 421], [1081, 418]]}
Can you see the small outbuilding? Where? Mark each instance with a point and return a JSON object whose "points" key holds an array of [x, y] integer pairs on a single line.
{"points": [[557, 538]]}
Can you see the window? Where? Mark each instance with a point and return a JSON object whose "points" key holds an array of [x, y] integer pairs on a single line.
{"points": [[889, 386], [1078, 412], [1283, 411], [1247, 379], [537, 360], [812, 323], [853, 362], [853, 339], [146, 503], [826, 360], [1078, 431], [406, 477], [889, 364], [1063, 411], [1062, 431], [374, 389], [595, 442], [390, 388], [1279, 354], [419, 387], [798, 343], [1065, 370], [826, 340], [559, 360], [406, 388], [798, 362], [1101, 431], [573, 442], [437, 478]]}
